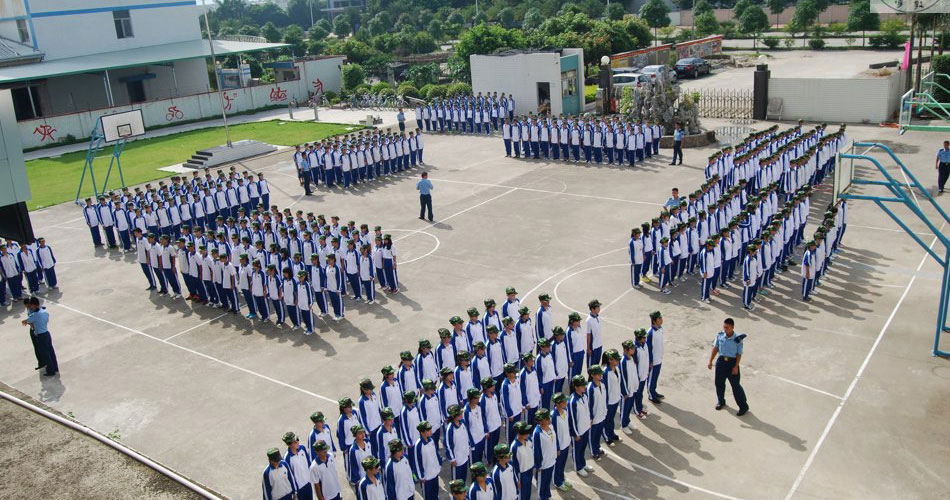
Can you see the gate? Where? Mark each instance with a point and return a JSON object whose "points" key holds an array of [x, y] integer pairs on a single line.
{"points": [[732, 104]]}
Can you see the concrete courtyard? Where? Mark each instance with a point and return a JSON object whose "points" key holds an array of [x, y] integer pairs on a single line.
{"points": [[846, 399]]}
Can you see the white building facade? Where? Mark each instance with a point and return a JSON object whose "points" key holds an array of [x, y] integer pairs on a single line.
{"points": [[534, 78]]}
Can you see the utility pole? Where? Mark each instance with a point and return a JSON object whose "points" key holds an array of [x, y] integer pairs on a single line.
{"points": [[217, 78], [311, 13]]}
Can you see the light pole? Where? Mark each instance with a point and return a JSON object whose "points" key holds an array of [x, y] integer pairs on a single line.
{"points": [[217, 77], [311, 13]]}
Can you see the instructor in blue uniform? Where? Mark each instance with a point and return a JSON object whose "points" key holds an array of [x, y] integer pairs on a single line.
{"points": [[727, 353], [38, 319]]}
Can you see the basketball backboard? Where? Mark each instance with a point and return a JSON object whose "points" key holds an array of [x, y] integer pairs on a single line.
{"points": [[844, 172], [125, 125]]}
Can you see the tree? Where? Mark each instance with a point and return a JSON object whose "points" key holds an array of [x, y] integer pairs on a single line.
{"points": [[376, 26], [506, 17], [293, 36], [616, 11], [249, 30], [806, 13], [860, 18], [342, 26], [532, 18], [701, 7], [325, 24], [423, 43], [706, 24], [484, 39], [316, 33], [740, 7], [683, 4], [436, 29], [353, 76], [754, 21], [423, 74], [270, 32], [777, 7], [656, 14], [299, 11]]}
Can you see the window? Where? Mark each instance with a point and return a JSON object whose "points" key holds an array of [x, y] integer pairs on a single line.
{"points": [[123, 23], [569, 83], [23, 30]]}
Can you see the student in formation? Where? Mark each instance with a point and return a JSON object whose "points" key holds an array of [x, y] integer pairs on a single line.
{"points": [[656, 349], [357, 452], [561, 426], [593, 330], [579, 422], [399, 476], [347, 420], [457, 445], [278, 482], [367, 274], [491, 413], [474, 421], [428, 462], [304, 296], [390, 393], [643, 371], [522, 452], [383, 435], [597, 399], [409, 418], [335, 287], [368, 405], [611, 382], [320, 432], [576, 344], [323, 474], [370, 486], [298, 461], [530, 386], [544, 442]]}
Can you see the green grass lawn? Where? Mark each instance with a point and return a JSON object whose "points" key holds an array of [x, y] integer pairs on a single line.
{"points": [[55, 180]]}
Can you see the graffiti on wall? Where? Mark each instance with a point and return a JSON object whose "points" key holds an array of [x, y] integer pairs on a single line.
{"points": [[278, 94], [45, 132]]}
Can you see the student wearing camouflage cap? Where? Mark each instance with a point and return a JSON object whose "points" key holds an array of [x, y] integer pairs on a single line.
{"points": [[406, 375], [611, 382], [278, 482], [389, 264], [523, 458], [398, 473], [457, 489], [491, 317], [511, 399], [576, 344], [425, 365], [511, 351], [448, 392], [430, 407], [386, 432], [594, 333], [491, 414], [495, 352], [750, 277], [445, 354], [546, 371], [298, 461], [347, 420], [457, 444], [474, 329], [512, 303], [707, 270], [463, 377], [370, 486], [409, 417], [323, 475], [320, 432], [389, 391], [597, 398], [474, 420], [654, 342], [481, 488], [530, 386], [357, 451], [428, 462], [545, 446], [368, 405], [525, 332], [544, 319]]}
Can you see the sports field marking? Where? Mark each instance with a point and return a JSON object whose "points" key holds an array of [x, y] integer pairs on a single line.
{"points": [[196, 353], [803, 386], [568, 268], [438, 243], [460, 212], [612, 302], [629, 464], [533, 190], [857, 377], [199, 325]]}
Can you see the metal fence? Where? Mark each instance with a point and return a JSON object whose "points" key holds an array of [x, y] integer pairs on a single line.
{"points": [[733, 104]]}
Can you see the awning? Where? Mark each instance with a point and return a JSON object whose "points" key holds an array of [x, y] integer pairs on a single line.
{"points": [[141, 56]]}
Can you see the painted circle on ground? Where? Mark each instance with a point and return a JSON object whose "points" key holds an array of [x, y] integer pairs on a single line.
{"points": [[410, 250]]}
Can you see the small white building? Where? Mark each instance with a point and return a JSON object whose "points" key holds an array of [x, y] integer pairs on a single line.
{"points": [[61, 56], [533, 77]]}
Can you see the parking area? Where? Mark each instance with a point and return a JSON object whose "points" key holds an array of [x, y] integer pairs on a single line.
{"points": [[846, 400], [794, 63]]}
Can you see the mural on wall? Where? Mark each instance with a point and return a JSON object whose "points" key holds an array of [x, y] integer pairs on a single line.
{"points": [[278, 94], [45, 132], [174, 113], [704, 47], [641, 58], [229, 98], [318, 86]]}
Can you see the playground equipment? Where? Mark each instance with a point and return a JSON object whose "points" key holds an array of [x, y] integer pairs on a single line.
{"points": [[916, 104], [114, 129]]}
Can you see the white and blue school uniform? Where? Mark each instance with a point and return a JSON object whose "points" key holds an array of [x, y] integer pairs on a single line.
{"points": [[398, 477], [530, 391], [367, 275], [380, 438], [579, 423], [409, 418], [428, 463], [545, 457], [27, 260], [457, 449], [491, 415], [335, 289], [324, 474], [389, 267], [10, 276], [512, 404], [474, 421], [406, 377], [354, 461], [503, 482], [299, 465], [278, 482], [325, 435], [368, 408], [91, 214], [522, 461], [304, 303]]}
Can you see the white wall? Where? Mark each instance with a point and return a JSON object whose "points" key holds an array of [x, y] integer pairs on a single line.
{"points": [[519, 75], [207, 105], [61, 35], [854, 100]]}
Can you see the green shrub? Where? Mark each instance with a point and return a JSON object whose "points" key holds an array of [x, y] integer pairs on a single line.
{"points": [[407, 89], [458, 88], [435, 92], [816, 43], [837, 28], [388, 91], [363, 89], [380, 87], [590, 93], [424, 91], [770, 41], [331, 95], [941, 64]]}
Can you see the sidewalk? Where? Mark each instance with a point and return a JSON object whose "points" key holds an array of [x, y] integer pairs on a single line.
{"points": [[300, 114]]}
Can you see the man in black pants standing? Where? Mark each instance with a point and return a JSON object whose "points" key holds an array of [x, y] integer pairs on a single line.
{"points": [[943, 166], [728, 348], [425, 196], [38, 319]]}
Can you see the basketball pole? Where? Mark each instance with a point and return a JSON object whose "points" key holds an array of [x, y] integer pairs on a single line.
{"points": [[217, 79]]}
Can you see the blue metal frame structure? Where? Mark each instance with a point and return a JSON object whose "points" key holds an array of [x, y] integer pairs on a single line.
{"points": [[96, 143], [903, 193]]}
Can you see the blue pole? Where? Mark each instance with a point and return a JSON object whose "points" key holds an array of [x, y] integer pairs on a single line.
{"points": [[942, 311]]}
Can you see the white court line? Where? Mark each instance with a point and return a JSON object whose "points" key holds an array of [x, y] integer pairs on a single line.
{"points": [[493, 198], [203, 323], [612, 302], [192, 351], [876, 228], [857, 377], [607, 492], [572, 266], [533, 190], [803, 386], [660, 475], [438, 243], [60, 262]]}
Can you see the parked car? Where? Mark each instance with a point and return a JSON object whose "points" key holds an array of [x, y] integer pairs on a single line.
{"points": [[691, 67], [630, 80], [656, 69]]}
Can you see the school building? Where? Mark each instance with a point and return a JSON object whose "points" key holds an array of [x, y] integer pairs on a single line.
{"points": [[538, 79], [63, 59]]}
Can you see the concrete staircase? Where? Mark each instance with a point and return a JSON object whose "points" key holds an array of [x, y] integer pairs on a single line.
{"points": [[222, 154]]}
